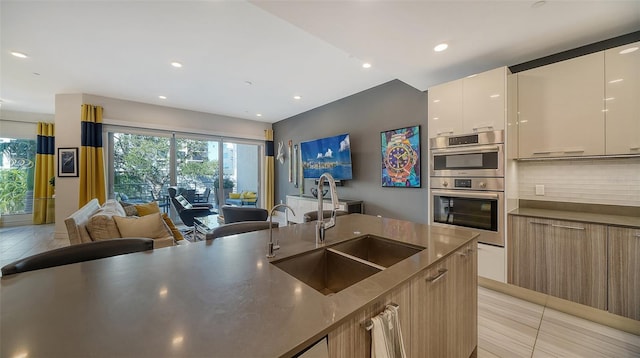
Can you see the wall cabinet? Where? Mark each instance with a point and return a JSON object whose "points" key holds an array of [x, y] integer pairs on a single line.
{"points": [[561, 258], [622, 104], [561, 108], [438, 312], [468, 105], [304, 204], [624, 272]]}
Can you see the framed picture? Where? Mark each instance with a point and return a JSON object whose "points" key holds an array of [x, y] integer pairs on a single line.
{"points": [[401, 157], [68, 162]]}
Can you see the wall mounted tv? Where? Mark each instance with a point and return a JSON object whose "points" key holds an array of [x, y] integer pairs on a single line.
{"points": [[327, 155]]}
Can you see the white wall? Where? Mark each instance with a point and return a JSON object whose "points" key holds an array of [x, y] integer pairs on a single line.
{"points": [[614, 181], [135, 114]]}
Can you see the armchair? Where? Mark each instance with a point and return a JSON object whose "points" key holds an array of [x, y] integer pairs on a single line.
{"points": [[189, 214]]}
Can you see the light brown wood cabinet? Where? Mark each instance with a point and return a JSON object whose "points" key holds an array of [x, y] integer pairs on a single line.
{"points": [[438, 312], [444, 298], [624, 272], [564, 259]]}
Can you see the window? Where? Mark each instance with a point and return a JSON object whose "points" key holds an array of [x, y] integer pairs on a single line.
{"points": [[16, 175]]}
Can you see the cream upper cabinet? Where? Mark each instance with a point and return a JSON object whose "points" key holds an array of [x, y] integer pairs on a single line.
{"points": [[561, 108], [445, 109], [483, 104], [622, 99], [468, 105]]}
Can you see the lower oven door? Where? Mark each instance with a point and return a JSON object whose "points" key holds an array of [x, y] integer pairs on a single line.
{"points": [[482, 211]]}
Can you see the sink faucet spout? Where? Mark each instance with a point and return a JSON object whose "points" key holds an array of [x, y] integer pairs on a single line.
{"points": [[321, 225], [274, 245]]}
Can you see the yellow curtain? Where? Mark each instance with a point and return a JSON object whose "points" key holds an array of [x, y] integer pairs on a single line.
{"points": [[43, 184], [92, 177], [269, 179]]}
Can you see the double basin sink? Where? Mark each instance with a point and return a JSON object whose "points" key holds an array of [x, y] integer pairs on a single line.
{"points": [[334, 268]]}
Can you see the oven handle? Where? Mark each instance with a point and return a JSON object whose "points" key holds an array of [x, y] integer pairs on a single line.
{"points": [[474, 150], [465, 194]]}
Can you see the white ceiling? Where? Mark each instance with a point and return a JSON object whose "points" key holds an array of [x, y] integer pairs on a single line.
{"points": [[283, 48]]}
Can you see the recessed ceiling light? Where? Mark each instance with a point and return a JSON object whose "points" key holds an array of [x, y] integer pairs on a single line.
{"points": [[19, 54], [366, 65], [258, 114], [297, 97], [176, 64], [440, 48], [494, 96], [162, 97], [472, 76], [628, 50], [436, 100], [616, 80]]}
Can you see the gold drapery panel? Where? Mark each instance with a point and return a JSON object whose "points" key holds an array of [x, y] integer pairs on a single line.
{"points": [[269, 180], [44, 178], [92, 174]]}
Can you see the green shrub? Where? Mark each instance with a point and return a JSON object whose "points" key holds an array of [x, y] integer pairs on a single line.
{"points": [[13, 190]]}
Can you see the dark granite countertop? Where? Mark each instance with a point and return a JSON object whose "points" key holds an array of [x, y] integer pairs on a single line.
{"points": [[216, 298]]}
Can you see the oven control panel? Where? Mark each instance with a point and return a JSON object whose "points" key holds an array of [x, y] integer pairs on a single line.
{"points": [[492, 184]]}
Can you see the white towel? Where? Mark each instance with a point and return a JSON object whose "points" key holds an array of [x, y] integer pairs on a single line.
{"points": [[386, 336]]}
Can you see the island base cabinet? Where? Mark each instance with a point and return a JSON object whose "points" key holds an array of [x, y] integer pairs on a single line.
{"points": [[351, 339], [438, 312], [445, 300], [624, 272]]}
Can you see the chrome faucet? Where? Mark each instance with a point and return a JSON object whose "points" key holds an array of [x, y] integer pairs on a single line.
{"points": [[321, 225], [274, 245]]}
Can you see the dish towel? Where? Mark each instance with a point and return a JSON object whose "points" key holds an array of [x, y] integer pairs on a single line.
{"points": [[386, 336]]}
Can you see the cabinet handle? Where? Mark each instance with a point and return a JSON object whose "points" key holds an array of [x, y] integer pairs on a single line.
{"points": [[568, 227], [445, 132], [441, 273], [538, 223], [574, 151], [634, 148], [475, 129], [545, 152]]}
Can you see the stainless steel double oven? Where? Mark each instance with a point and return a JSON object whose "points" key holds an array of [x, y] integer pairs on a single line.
{"points": [[467, 183]]}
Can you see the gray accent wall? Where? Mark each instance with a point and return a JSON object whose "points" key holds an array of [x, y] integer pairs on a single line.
{"points": [[364, 115]]}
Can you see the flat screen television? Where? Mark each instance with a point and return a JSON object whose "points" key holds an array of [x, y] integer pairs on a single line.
{"points": [[327, 155]]}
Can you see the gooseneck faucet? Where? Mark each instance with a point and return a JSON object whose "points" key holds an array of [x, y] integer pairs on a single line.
{"points": [[321, 225], [274, 245]]}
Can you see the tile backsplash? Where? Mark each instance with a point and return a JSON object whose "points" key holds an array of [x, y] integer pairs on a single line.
{"points": [[614, 181]]}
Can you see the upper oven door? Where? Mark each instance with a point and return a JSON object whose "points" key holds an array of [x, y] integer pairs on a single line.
{"points": [[473, 161]]}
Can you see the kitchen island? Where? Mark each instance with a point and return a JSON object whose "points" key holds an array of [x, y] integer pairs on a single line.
{"points": [[224, 298]]}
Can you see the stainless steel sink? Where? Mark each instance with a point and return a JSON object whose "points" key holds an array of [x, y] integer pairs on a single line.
{"points": [[380, 251], [335, 268], [326, 271]]}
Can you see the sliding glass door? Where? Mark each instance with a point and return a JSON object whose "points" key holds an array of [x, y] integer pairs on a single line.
{"points": [[143, 164]]}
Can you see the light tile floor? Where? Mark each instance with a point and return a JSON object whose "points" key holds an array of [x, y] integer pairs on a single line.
{"points": [[507, 326], [511, 327]]}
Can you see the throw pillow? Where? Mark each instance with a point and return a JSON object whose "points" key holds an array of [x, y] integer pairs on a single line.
{"points": [[234, 195], [148, 208], [174, 230], [129, 208], [102, 227], [151, 226], [112, 205]]}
